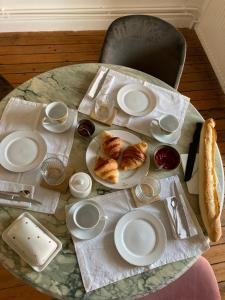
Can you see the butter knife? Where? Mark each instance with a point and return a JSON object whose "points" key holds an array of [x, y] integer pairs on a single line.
{"points": [[193, 148], [17, 197]]}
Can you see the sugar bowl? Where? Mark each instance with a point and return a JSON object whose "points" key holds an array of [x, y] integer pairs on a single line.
{"points": [[80, 185]]}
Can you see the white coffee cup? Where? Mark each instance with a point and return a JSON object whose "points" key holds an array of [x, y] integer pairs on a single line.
{"points": [[56, 112], [167, 123], [87, 215]]}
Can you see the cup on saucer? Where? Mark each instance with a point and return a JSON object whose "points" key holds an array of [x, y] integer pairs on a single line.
{"points": [[87, 215], [168, 124], [86, 219], [56, 113]]}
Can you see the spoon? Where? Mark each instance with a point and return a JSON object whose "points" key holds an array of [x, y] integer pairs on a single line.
{"points": [[174, 204]]}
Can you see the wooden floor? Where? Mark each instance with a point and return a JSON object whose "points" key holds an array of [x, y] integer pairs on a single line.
{"points": [[24, 55]]}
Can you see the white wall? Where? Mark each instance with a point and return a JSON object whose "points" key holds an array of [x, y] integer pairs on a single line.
{"points": [[45, 15], [211, 32]]}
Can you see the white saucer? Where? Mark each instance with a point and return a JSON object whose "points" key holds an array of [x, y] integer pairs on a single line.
{"points": [[22, 151], [60, 128], [136, 100], [163, 138], [84, 234], [140, 238]]}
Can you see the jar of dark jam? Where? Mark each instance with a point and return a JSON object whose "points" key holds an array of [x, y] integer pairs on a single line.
{"points": [[85, 128], [166, 157]]}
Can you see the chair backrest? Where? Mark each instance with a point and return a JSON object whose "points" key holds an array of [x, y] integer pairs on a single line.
{"points": [[148, 44]]}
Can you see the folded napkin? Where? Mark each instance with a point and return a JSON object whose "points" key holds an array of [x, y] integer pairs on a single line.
{"points": [[169, 102], [99, 262], [181, 222], [24, 115], [192, 184], [6, 186]]}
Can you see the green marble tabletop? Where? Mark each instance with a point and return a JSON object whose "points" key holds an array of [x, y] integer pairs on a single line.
{"points": [[62, 279]]}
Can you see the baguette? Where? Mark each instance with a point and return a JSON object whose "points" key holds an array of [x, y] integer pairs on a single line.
{"points": [[208, 197]]}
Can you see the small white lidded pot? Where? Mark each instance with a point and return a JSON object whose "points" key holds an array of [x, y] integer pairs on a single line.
{"points": [[80, 185]]}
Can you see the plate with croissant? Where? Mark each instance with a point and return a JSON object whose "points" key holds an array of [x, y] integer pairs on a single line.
{"points": [[117, 159]]}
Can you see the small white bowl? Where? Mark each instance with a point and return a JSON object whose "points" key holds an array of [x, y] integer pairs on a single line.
{"points": [[80, 185]]}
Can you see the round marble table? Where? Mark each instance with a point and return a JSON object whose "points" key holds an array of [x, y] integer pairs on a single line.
{"points": [[62, 279]]}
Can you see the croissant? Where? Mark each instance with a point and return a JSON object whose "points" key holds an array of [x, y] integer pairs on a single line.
{"points": [[111, 145], [107, 169], [133, 156]]}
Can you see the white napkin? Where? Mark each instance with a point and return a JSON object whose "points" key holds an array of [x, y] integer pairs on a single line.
{"points": [[99, 262], [6, 186], [24, 115], [169, 102], [185, 226], [192, 184]]}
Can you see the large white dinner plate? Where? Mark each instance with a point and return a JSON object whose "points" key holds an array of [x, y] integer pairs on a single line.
{"points": [[128, 178], [136, 100], [140, 238], [22, 151]]}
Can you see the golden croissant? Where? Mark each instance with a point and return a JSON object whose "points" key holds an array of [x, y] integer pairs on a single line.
{"points": [[107, 169], [111, 145], [133, 156]]}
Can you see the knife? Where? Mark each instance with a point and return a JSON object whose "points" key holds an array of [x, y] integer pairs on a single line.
{"points": [[16, 197], [193, 148]]}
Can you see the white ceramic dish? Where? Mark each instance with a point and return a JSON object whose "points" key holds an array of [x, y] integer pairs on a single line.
{"points": [[128, 178], [163, 138], [60, 128], [87, 233], [140, 238], [32, 241], [22, 151], [136, 100]]}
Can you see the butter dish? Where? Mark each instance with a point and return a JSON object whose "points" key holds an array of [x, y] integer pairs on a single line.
{"points": [[32, 241]]}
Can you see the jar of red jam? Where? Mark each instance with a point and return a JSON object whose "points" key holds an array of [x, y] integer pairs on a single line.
{"points": [[166, 157]]}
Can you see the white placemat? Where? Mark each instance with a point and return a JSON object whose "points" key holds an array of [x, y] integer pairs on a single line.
{"points": [[102, 87], [99, 262], [24, 115]]}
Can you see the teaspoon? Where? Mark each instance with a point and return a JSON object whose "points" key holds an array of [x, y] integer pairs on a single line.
{"points": [[174, 206]]}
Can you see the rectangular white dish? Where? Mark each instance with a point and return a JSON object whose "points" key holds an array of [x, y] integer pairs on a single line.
{"points": [[32, 241]]}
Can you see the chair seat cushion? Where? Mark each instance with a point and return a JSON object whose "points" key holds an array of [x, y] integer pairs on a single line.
{"points": [[198, 283]]}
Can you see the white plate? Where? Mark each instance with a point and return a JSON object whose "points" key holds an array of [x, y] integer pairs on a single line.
{"points": [[128, 178], [60, 128], [86, 234], [140, 238], [136, 100], [163, 138], [22, 151]]}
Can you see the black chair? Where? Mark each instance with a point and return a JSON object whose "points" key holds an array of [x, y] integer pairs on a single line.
{"points": [[148, 44], [5, 87]]}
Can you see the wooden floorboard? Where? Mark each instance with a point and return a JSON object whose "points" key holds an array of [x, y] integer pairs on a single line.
{"points": [[24, 55]]}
